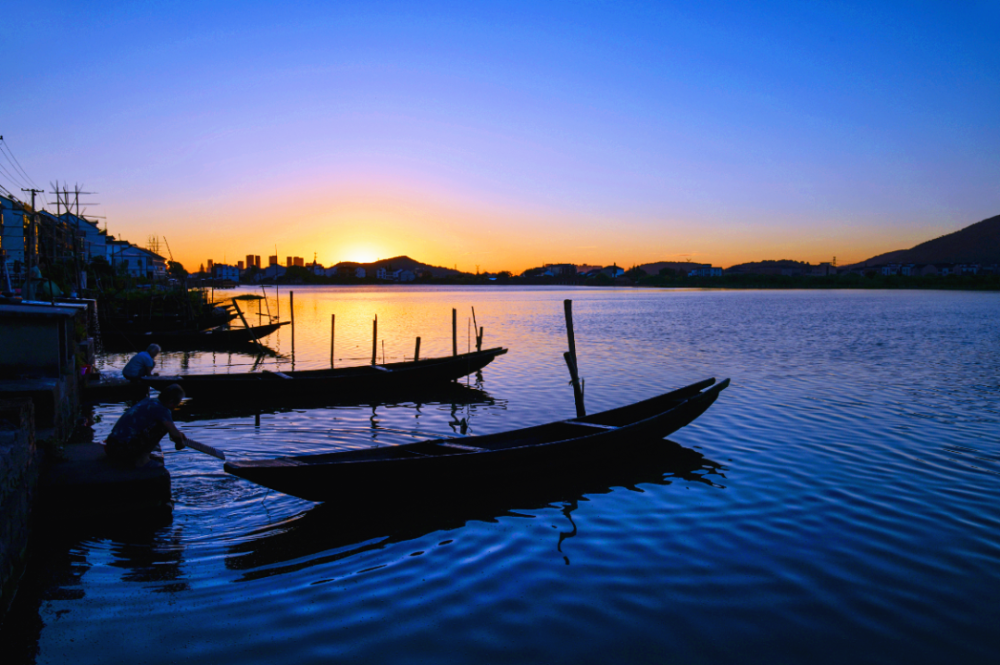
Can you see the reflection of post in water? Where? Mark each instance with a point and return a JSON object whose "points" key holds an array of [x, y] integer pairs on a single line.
{"points": [[563, 535]]}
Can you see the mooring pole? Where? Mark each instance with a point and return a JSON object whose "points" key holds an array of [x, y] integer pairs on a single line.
{"points": [[570, 357], [375, 340], [479, 340], [416, 353], [333, 336], [454, 332], [291, 310]]}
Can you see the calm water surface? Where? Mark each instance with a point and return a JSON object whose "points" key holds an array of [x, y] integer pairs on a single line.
{"points": [[847, 504]]}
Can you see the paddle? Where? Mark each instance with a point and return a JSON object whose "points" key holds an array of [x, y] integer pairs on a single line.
{"points": [[204, 448]]}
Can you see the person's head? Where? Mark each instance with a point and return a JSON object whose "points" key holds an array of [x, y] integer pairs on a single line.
{"points": [[153, 350], [172, 395]]}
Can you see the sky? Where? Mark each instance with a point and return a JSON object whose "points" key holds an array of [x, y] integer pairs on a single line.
{"points": [[505, 135]]}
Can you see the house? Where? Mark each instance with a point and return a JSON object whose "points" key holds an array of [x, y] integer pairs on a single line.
{"points": [[135, 261], [330, 272], [706, 271], [271, 272], [404, 276], [890, 269], [560, 270], [222, 271], [12, 221], [380, 273], [613, 271], [359, 272], [92, 241]]}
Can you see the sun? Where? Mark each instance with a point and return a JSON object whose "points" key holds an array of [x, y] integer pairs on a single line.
{"points": [[360, 254]]}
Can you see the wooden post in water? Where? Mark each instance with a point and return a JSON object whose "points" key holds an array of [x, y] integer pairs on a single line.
{"points": [[291, 309], [416, 353], [570, 357], [333, 336], [479, 340], [375, 340], [454, 332]]}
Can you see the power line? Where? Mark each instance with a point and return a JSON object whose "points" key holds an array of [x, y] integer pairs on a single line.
{"points": [[10, 156], [17, 184]]}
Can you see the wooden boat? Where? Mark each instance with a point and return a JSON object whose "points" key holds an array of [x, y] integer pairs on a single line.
{"points": [[349, 382], [182, 340], [466, 463]]}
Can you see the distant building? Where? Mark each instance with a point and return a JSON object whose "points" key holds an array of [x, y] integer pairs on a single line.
{"points": [[331, 271], [380, 273], [560, 269], [613, 271], [239, 264], [273, 271], [223, 271], [136, 261], [704, 271], [272, 261], [299, 262], [360, 272], [404, 276]]}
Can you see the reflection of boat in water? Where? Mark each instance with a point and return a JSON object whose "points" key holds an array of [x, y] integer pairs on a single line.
{"points": [[346, 382], [456, 394], [401, 516], [463, 464]]}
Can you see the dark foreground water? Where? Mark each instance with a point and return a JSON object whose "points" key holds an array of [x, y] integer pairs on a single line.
{"points": [[847, 504]]}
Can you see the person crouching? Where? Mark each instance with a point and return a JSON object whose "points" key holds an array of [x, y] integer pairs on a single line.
{"points": [[142, 363], [139, 430]]}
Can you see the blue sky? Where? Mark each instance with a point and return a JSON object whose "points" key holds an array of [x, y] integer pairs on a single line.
{"points": [[509, 134]]}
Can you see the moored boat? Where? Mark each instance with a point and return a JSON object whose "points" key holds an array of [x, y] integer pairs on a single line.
{"points": [[464, 463], [181, 340], [412, 376]]}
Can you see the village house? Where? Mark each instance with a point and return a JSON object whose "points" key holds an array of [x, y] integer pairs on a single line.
{"points": [[404, 276]]}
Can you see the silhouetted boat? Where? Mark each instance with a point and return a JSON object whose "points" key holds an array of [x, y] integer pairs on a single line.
{"points": [[181, 340], [467, 462], [351, 382]]}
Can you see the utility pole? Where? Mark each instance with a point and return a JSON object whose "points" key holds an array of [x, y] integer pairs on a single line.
{"points": [[33, 192]]}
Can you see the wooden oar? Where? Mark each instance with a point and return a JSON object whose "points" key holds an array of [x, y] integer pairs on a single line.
{"points": [[204, 448]]}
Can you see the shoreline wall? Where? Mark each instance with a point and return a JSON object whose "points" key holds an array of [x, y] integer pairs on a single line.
{"points": [[19, 470]]}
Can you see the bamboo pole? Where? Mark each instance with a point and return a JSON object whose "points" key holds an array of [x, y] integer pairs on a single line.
{"points": [[416, 353], [333, 336], [291, 309], [375, 340], [570, 357], [244, 320], [479, 340], [454, 332]]}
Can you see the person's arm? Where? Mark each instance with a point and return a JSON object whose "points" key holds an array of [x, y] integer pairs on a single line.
{"points": [[175, 434]]}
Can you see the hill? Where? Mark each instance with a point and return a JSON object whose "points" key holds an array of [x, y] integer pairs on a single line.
{"points": [[768, 267], [978, 243], [402, 263], [679, 266]]}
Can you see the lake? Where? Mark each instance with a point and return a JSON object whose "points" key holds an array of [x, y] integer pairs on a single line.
{"points": [[840, 499]]}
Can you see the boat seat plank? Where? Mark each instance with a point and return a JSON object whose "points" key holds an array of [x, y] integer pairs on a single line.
{"points": [[578, 422], [460, 446], [379, 367]]}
